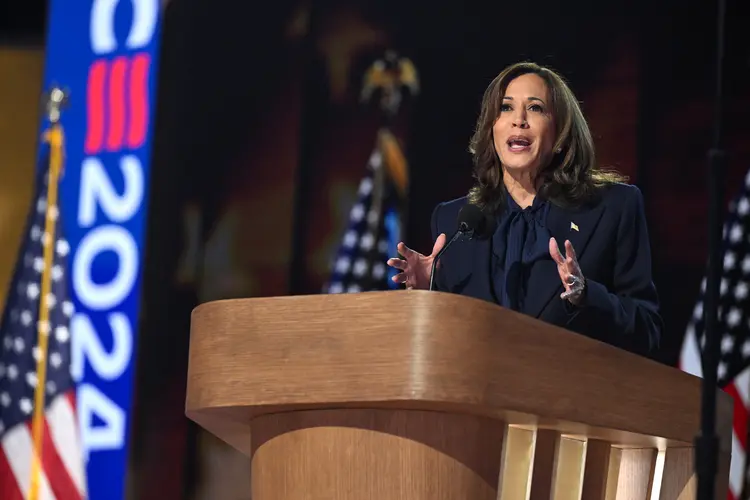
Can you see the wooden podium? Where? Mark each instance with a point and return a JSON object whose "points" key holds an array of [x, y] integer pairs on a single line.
{"points": [[415, 395]]}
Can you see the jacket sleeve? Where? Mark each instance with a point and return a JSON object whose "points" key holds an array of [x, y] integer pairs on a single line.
{"points": [[627, 315]]}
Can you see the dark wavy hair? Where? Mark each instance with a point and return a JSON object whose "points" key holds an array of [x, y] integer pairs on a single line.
{"points": [[570, 179]]}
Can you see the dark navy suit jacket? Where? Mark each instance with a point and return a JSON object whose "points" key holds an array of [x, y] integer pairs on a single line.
{"points": [[611, 241]]}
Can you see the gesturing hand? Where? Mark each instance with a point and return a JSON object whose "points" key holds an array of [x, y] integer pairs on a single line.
{"points": [[415, 268], [570, 272]]}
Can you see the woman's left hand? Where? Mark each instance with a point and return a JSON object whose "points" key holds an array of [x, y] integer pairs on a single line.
{"points": [[570, 272]]}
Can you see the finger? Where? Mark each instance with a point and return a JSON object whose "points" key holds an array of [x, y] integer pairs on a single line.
{"points": [[570, 251], [574, 282], [397, 263], [404, 250], [439, 243], [564, 277], [399, 278], [554, 252], [572, 292], [568, 293]]}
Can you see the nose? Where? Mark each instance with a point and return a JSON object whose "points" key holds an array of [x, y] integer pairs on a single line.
{"points": [[519, 120]]}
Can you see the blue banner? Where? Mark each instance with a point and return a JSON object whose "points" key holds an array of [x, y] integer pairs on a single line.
{"points": [[105, 54]]}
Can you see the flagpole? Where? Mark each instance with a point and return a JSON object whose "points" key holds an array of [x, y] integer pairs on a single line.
{"points": [[392, 75], [309, 118], [707, 443], [54, 136]]}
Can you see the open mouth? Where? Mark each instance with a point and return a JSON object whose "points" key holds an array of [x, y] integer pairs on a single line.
{"points": [[517, 144]]}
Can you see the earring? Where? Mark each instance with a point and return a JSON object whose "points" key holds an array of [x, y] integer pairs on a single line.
{"points": [[559, 150]]}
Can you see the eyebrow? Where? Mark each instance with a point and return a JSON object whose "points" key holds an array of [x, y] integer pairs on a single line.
{"points": [[532, 98]]}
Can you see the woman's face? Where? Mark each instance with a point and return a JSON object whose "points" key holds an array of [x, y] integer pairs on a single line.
{"points": [[524, 132]]}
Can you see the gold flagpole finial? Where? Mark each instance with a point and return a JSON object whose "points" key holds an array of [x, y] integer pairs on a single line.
{"points": [[55, 100]]}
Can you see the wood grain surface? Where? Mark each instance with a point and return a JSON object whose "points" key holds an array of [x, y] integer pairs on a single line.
{"points": [[262, 364]]}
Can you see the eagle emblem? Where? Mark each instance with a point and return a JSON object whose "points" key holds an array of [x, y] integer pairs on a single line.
{"points": [[387, 78]]}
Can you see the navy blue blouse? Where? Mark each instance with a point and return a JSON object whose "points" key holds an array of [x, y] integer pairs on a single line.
{"points": [[521, 238]]}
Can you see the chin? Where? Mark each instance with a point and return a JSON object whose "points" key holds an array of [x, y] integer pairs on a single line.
{"points": [[519, 166]]}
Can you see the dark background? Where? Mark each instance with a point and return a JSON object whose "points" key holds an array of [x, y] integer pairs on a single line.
{"points": [[246, 110]]}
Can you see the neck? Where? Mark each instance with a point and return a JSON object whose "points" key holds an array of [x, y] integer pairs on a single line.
{"points": [[520, 186]]}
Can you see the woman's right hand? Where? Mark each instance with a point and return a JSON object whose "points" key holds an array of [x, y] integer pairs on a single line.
{"points": [[415, 268]]}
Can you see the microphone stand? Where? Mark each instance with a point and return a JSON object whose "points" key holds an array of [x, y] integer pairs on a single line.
{"points": [[463, 230], [456, 235], [707, 443]]}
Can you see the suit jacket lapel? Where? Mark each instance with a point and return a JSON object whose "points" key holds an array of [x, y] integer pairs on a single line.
{"points": [[574, 225]]}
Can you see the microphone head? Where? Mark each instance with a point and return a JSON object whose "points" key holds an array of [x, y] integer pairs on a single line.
{"points": [[472, 220]]}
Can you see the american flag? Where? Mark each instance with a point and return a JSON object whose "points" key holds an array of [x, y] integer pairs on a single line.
{"points": [[61, 467], [372, 233], [734, 325]]}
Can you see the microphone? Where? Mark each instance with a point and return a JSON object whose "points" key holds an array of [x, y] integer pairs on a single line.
{"points": [[471, 222]]}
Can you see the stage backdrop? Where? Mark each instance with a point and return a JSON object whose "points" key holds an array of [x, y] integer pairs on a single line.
{"points": [[19, 102], [104, 52]]}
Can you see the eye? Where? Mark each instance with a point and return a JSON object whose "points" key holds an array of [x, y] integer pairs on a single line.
{"points": [[505, 107], [537, 108]]}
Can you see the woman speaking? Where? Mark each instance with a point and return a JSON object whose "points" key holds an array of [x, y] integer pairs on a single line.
{"points": [[538, 185]]}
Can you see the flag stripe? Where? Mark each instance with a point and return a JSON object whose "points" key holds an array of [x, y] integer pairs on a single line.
{"points": [[60, 482], [71, 397], [690, 357], [736, 468], [62, 468], [63, 431], [740, 416], [9, 489], [742, 385], [18, 447]]}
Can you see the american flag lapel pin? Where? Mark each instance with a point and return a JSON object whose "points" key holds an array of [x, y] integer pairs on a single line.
{"points": [[573, 226]]}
